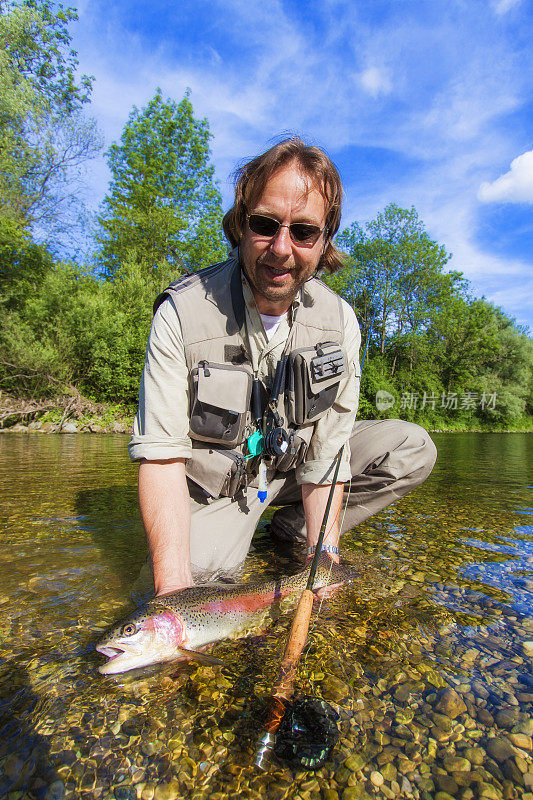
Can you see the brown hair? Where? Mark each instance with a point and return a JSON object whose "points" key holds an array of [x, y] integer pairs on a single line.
{"points": [[252, 177]]}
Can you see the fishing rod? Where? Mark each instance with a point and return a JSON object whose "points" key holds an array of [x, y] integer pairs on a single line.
{"points": [[296, 641], [297, 638]]}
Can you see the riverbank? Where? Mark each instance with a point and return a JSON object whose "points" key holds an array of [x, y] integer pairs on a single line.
{"points": [[72, 413], [77, 414]]}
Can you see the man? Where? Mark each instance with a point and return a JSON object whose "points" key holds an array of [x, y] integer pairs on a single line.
{"points": [[258, 346]]}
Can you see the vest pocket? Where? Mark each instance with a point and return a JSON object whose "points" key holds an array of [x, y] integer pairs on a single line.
{"points": [[220, 403], [221, 473], [313, 378]]}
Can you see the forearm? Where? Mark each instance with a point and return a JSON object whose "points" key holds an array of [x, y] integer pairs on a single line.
{"points": [[165, 509], [315, 498]]}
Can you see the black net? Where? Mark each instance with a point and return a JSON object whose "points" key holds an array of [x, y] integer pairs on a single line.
{"points": [[307, 733]]}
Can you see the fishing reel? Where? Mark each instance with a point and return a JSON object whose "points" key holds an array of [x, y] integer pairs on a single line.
{"points": [[276, 442], [270, 437]]}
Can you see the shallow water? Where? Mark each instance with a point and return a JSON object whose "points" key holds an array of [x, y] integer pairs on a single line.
{"points": [[427, 655]]}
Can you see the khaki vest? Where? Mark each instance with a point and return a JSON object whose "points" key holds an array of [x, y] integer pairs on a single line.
{"points": [[211, 310]]}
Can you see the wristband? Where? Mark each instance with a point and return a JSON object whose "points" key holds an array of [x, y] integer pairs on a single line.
{"points": [[326, 548]]}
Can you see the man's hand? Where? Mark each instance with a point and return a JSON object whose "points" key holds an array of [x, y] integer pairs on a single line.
{"points": [[165, 508]]}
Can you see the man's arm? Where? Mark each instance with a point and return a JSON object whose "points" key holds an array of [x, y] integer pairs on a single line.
{"points": [[315, 498], [165, 508]]}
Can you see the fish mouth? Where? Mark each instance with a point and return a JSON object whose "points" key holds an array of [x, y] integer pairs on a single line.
{"points": [[119, 660]]}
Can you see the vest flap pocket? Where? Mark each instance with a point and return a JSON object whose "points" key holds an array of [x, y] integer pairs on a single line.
{"points": [[218, 472], [326, 366], [224, 388], [219, 403], [314, 375]]}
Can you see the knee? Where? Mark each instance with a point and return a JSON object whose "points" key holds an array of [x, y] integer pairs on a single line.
{"points": [[421, 449]]}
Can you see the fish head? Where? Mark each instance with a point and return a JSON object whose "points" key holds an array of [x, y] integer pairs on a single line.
{"points": [[151, 635]]}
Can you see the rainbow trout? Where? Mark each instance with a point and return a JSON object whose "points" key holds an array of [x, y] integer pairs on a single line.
{"points": [[173, 626]]}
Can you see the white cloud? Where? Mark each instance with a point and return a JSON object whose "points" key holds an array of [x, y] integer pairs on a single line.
{"points": [[374, 81], [503, 6], [515, 186]]}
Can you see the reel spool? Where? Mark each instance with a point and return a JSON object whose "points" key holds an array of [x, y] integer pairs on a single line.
{"points": [[276, 442]]}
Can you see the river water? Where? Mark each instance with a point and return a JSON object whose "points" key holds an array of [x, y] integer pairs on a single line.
{"points": [[427, 656]]}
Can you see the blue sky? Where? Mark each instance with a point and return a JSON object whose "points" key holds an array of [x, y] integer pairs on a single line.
{"points": [[425, 103]]}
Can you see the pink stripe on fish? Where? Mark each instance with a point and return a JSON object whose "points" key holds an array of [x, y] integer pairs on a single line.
{"points": [[250, 602]]}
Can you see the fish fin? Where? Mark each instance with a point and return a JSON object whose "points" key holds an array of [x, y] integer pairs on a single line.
{"points": [[202, 658]]}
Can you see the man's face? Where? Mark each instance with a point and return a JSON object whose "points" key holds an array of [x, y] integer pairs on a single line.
{"points": [[276, 266]]}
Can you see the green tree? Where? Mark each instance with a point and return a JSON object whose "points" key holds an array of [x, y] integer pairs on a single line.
{"points": [[397, 275], [44, 137], [431, 339], [163, 211]]}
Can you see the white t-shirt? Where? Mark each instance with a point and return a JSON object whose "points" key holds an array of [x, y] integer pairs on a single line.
{"points": [[271, 324]]}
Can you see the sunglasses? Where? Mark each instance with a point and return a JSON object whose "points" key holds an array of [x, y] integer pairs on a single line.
{"points": [[300, 232]]}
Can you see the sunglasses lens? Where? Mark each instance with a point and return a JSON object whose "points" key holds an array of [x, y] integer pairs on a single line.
{"points": [[263, 226], [304, 233], [301, 232]]}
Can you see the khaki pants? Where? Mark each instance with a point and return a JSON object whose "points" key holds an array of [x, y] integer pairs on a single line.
{"points": [[389, 458]]}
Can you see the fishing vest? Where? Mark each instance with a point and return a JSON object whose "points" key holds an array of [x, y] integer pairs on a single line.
{"points": [[211, 309]]}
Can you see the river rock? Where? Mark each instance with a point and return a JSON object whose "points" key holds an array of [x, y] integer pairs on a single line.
{"points": [[403, 693], [479, 690], [484, 716], [13, 767], [488, 790], [507, 717], [450, 703], [167, 791], [69, 427], [500, 749], [405, 765], [389, 772], [47, 427], [377, 778], [148, 791], [125, 792], [120, 427], [334, 689], [446, 783], [520, 740], [475, 755], [457, 764], [511, 771], [443, 722], [355, 763]]}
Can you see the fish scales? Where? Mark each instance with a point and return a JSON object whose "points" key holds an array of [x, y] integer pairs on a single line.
{"points": [[175, 626]]}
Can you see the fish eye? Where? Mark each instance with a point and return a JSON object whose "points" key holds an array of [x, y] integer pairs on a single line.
{"points": [[129, 629]]}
